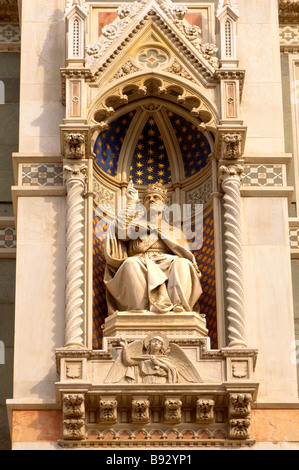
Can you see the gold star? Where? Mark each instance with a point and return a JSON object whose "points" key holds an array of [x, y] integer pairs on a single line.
{"points": [[151, 121], [139, 181], [151, 142], [150, 169], [139, 164], [139, 173], [139, 155], [151, 132], [150, 160], [150, 177], [161, 173]]}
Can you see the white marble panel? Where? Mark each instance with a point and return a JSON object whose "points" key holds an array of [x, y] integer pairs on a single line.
{"points": [[40, 271]]}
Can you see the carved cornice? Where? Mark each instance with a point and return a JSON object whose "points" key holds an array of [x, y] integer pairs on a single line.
{"points": [[288, 11]]}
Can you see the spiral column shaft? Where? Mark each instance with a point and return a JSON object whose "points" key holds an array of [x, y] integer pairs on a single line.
{"points": [[230, 178], [74, 176]]}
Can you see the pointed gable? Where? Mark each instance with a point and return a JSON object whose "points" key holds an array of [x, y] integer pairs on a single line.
{"points": [[159, 16]]}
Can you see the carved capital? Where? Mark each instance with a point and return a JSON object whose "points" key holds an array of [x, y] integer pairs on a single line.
{"points": [[232, 172], [75, 172]]}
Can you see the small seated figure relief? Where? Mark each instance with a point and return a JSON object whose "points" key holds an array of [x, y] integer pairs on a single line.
{"points": [[149, 265], [152, 361]]}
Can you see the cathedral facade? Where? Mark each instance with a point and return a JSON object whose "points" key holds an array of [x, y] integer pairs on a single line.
{"points": [[102, 343]]}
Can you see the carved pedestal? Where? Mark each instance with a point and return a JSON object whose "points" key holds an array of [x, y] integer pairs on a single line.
{"points": [[185, 395]]}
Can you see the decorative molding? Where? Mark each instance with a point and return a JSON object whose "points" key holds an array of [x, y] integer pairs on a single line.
{"points": [[230, 178]]}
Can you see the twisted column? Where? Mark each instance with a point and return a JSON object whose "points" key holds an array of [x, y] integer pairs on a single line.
{"points": [[74, 178], [230, 178]]}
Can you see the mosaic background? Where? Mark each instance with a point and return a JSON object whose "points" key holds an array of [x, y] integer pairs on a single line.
{"points": [[150, 161]]}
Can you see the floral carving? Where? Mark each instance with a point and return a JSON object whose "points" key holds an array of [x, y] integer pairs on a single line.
{"points": [[140, 411], [108, 411], [173, 412], [204, 411]]}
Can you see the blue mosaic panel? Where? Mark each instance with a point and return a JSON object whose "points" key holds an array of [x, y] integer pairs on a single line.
{"points": [[194, 145], [150, 163], [109, 142]]}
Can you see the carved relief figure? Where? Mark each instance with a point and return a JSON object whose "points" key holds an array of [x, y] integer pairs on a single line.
{"points": [[152, 361], [149, 266]]}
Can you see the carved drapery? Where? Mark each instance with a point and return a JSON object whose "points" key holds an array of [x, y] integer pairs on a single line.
{"points": [[230, 179], [74, 177]]}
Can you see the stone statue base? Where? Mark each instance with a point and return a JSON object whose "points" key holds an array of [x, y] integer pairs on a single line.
{"points": [[141, 322]]}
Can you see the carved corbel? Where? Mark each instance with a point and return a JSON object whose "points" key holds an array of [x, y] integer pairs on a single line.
{"points": [[108, 410], [204, 411], [239, 414], [140, 411], [74, 146], [173, 411], [231, 146], [74, 416]]}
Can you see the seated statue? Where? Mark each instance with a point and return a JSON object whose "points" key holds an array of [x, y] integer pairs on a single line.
{"points": [[149, 266]]}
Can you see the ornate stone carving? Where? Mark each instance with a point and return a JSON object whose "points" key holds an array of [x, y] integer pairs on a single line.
{"points": [[126, 69], [74, 146], [231, 149], [152, 361], [140, 411], [127, 12], [74, 177], [239, 429], [230, 178], [239, 413], [173, 411], [204, 411], [108, 410], [74, 416], [240, 405]]}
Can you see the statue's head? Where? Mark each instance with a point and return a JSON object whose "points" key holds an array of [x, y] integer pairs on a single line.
{"points": [[156, 343], [155, 196]]}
